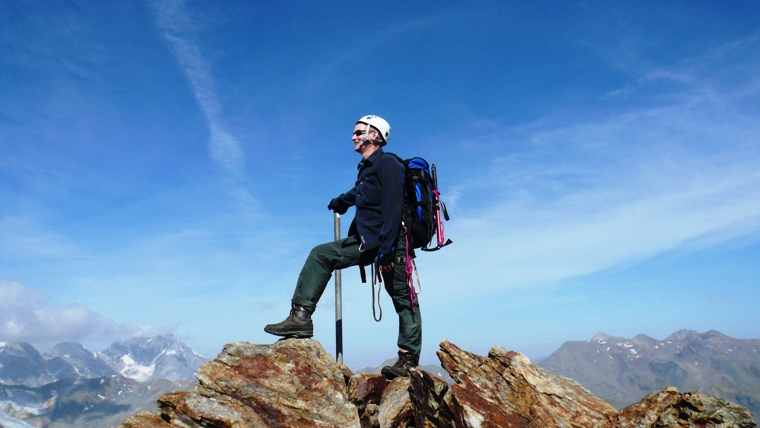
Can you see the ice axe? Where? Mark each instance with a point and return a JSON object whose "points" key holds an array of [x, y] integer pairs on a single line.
{"points": [[439, 207], [338, 302]]}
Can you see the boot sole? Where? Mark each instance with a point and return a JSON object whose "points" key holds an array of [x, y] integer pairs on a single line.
{"points": [[390, 375], [296, 334]]}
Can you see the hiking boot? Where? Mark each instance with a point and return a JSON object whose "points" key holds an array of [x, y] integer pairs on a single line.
{"points": [[405, 362], [297, 324]]}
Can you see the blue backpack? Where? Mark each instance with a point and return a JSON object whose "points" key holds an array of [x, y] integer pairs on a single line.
{"points": [[422, 205]]}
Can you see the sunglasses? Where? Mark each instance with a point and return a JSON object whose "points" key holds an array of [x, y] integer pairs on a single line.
{"points": [[360, 132]]}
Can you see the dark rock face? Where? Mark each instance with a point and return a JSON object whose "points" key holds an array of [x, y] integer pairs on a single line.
{"points": [[431, 400], [366, 391], [623, 371], [295, 383]]}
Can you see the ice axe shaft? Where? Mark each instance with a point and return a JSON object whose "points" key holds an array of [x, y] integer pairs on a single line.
{"points": [[338, 302]]}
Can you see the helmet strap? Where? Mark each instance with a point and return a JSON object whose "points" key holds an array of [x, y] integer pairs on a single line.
{"points": [[366, 134], [365, 139]]}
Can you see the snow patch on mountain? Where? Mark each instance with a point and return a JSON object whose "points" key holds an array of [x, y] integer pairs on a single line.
{"points": [[159, 357], [136, 371]]}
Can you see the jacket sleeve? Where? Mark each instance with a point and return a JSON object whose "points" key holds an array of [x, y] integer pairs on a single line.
{"points": [[391, 173], [342, 203]]}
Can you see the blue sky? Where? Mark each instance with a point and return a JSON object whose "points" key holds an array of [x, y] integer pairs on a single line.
{"points": [[165, 166]]}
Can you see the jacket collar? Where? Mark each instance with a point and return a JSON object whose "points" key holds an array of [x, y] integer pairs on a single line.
{"points": [[371, 159]]}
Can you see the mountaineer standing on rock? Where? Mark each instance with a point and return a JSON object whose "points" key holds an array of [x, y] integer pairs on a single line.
{"points": [[374, 234]]}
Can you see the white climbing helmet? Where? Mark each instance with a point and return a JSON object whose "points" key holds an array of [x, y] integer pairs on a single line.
{"points": [[379, 123]]}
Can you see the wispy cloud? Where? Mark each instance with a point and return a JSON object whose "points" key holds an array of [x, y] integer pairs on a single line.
{"points": [[677, 172], [27, 315], [176, 26]]}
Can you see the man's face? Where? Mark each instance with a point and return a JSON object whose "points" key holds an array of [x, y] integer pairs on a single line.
{"points": [[359, 132]]}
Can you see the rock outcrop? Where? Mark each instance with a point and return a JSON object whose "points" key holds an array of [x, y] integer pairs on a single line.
{"points": [[671, 408], [295, 383], [396, 406], [289, 384], [506, 389]]}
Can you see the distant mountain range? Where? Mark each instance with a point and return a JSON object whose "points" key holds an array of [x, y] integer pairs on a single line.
{"points": [[71, 386], [622, 371], [141, 359]]}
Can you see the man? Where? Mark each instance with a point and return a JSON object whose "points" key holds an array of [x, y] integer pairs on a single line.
{"points": [[374, 234]]}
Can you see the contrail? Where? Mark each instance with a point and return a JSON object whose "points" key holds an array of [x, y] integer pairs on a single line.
{"points": [[176, 26]]}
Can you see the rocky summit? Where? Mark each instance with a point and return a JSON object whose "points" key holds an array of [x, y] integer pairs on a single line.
{"points": [[296, 383]]}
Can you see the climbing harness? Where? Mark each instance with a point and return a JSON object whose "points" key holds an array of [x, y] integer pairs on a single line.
{"points": [[410, 268]]}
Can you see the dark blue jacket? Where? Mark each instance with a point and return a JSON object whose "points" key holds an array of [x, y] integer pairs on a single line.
{"points": [[379, 199]]}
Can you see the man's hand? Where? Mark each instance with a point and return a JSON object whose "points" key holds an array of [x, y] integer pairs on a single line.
{"points": [[385, 262], [335, 205]]}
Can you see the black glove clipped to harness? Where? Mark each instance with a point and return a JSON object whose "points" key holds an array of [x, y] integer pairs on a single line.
{"points": [[385, 259], [337, 206]]}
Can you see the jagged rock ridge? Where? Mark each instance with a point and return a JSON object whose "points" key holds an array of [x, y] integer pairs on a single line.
{"points": [[294, 382]]}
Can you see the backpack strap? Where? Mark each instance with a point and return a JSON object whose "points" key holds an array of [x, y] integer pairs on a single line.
{"points": [[395, 156]]}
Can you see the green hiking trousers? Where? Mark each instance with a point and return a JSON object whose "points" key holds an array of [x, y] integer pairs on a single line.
{"points": [[328, 257]]}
